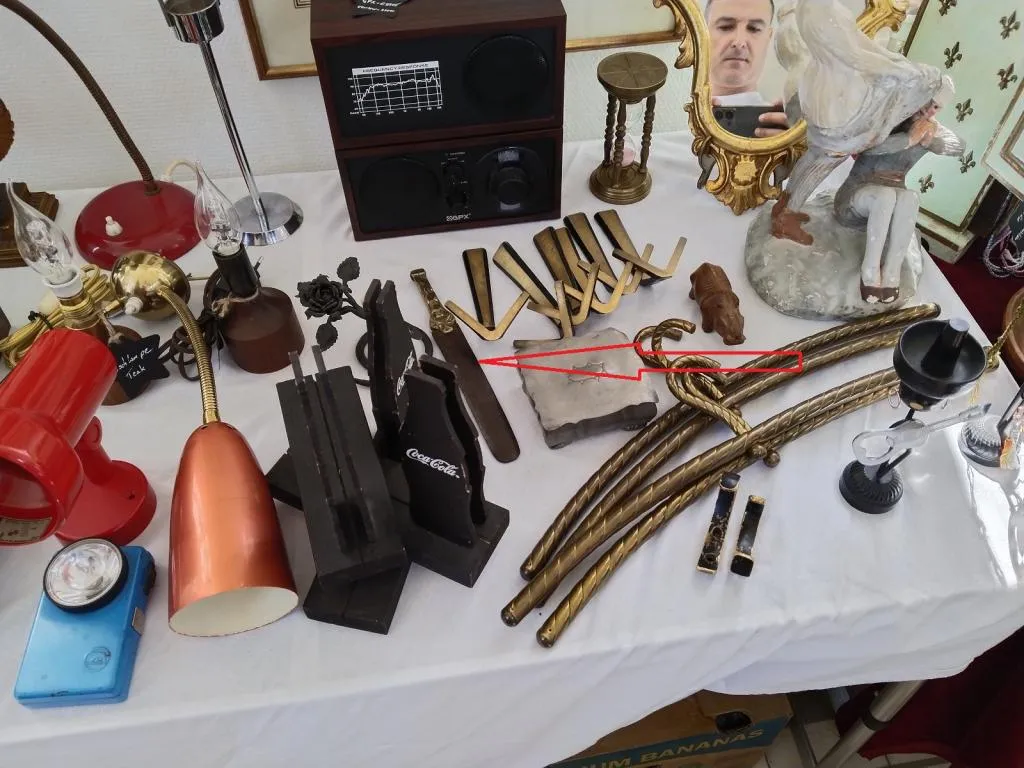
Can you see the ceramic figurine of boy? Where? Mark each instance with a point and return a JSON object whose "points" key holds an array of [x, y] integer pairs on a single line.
{"points": [[874, 196], [863, 101]]}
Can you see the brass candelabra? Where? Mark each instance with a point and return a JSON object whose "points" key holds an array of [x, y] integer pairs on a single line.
{"points": [[97, 285]]}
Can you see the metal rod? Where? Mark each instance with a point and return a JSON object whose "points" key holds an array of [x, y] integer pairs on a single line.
{"points": [[236, 141], [883, 472], [666, 424], [753, 444], [676, 503], [887, 704]]}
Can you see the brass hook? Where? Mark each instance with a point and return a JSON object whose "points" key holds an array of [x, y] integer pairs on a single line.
{"points": [[643, 263], [564, 320], [698, 389], [499, 330], [585, 299], [628, 282], [673, 329], [509, 262]]}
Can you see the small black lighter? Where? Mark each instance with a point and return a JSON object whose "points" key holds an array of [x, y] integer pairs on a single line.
{"points": [[743, 558]]}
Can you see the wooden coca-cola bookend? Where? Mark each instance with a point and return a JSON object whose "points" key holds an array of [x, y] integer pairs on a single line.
{"points": [[390, 354], [332, 469], [450, 528]]}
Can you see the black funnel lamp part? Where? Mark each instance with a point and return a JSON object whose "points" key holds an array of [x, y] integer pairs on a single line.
{"points": [[935, 360]]}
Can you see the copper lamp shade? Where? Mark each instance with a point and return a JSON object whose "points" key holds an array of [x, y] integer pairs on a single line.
{"points": [[229, 571]]}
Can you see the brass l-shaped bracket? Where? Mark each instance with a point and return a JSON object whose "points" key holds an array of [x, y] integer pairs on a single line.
{"points": [[643, 263], [499, 330], [584, 299]]}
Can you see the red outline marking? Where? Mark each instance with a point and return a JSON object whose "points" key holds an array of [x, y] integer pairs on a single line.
{"points": [[515, 361]]}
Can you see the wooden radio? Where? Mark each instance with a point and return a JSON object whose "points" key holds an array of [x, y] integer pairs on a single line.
{"points": [[447, 115]]}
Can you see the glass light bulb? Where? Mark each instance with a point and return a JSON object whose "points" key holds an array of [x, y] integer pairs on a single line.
{"points": [[83, 572], [41, 243], [216, 218]]}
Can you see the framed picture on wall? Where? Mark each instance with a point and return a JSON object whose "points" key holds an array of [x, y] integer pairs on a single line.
{"points": [[278, 30], [593, 24], [278, 33], [1005, 158]]}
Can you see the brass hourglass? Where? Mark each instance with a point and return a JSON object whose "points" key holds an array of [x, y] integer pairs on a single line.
{"points": [[629, 78]]}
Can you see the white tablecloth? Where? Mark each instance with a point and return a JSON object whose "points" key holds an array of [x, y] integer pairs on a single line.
{"points": [[837, 597]]}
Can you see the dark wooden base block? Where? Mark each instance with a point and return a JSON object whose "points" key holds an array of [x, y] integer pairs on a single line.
{"points": [[367, 604], [462, 564]]}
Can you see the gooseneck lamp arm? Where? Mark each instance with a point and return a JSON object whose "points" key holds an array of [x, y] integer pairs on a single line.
{"points": [[152, 287], [44, 29], [207, 385]]}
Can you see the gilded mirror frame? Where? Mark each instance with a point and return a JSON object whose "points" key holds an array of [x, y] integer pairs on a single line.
{"points": [[750, 171]]}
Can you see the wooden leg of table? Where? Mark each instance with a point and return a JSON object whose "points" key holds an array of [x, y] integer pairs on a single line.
{"points": [[887, 704]]}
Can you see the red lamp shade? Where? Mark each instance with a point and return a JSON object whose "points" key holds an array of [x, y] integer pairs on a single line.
{"points": [[162, 222], [55, 477]]}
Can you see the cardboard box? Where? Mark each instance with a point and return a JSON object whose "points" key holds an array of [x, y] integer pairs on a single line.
{"points": [[706, 730], [738, 758]]}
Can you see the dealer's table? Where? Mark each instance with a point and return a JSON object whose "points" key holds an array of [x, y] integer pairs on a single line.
{"points": [[837, 597]]}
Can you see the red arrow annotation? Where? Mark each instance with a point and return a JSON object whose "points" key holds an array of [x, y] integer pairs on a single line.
{"points": [[517, 361]]}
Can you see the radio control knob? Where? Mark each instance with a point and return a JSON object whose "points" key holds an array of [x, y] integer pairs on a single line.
{"points": [[454, 172], [510, 184], [457, 198]]}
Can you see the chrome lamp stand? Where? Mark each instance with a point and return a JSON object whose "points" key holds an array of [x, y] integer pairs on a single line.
{"points": [[266, 218]]}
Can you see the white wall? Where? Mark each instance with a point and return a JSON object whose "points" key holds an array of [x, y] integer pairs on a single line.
{"points": [[161, 91]]}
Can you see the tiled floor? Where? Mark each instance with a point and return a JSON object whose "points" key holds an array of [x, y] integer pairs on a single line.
{"points": [[813, 732]]}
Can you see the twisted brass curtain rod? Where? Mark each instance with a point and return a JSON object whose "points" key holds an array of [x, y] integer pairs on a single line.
{"points": [[93, 87], [651, 523], [685, 433], [753, 443], [748, 389], [660, 427]]}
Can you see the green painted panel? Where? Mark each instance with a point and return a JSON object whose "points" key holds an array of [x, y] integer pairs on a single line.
{"points": [[981, 46]]}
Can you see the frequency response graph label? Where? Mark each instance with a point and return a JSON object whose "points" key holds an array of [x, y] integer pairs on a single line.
{"points": [[396, 88]]}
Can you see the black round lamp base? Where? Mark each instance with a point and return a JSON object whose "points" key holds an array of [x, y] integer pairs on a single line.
{"points": [[868, 494]]}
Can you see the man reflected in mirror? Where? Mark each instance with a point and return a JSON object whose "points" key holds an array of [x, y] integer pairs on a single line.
{"points": [[741, 36]]}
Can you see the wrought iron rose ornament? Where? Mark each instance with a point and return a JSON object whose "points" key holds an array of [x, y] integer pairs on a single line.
{"points": [[330, 299]]}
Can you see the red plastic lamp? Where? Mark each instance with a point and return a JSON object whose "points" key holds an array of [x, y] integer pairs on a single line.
{"points": [[146, 215], [55, 477]]}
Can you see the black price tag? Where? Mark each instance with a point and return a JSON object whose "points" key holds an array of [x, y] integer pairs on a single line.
{"points": [[138, 362], [387, 8], [1017, 227]]}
